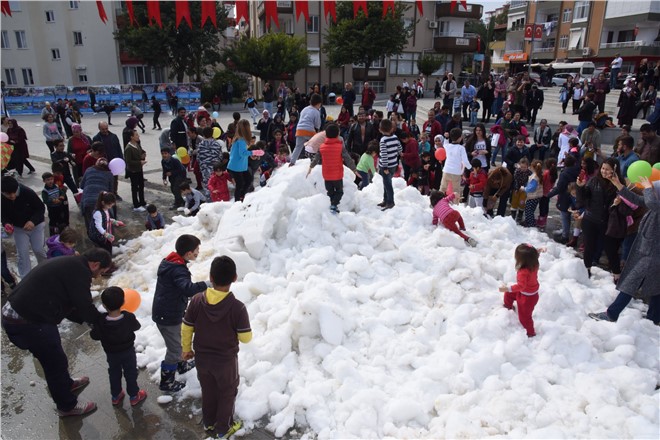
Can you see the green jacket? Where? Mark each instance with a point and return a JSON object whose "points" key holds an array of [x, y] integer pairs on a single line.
{"points": [[366, 164], [133, 157]]}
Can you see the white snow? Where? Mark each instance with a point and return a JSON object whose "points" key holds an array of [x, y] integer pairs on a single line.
{"points": [[371, 324]]}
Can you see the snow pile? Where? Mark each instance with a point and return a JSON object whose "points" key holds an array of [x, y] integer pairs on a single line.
{"points": [[372, 324]]}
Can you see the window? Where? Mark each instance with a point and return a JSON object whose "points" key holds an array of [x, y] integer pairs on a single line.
{"points": [[10, 77], [50, 16], [552, 17], [15, 6], [288, 27], [567, 16], [376, 86], [143, 74], [581, 10], [73, 4], [55, 53], [626, 36], [548, 44], [5, 40], [28, 79], [448, 65], [313, 25], [404, 64], [21, 41], [563, 42], [378, 64], [314, 57], [77, 38], [82, 77]]}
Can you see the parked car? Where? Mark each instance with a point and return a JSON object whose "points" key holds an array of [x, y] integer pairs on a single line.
{"points": [[559, 79]]}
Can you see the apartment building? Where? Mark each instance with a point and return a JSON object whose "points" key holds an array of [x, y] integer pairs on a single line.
{"points": [[438, 31], [585, 31]]}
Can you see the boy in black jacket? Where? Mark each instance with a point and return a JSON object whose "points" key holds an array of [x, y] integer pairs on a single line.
{"points": [[116, 331], [175, 173], [173, 288]]}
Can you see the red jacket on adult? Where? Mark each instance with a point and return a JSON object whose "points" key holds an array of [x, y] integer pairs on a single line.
{"points": [[436, 129], [333, 163], [368, 97], [410, 154]]}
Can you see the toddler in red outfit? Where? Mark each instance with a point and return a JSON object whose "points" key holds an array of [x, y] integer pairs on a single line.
{"points": [[526, 290], [448, 216]]}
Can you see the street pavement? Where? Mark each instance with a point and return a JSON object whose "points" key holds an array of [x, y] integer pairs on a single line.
{"points": [[28, 412]]}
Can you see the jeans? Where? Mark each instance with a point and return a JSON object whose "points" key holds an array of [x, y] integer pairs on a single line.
{"points": [[627, 245], [497, 105], [623, 299], [474, 115], [365, 179], [465, 105], [126, 361], [268, 106], [254, 113], [565, 224], [614, 74], [6, 273], [43, 341], [26, 239], [582, 126], [172, 336], [496, 150], [388, 190], [300, 146]]}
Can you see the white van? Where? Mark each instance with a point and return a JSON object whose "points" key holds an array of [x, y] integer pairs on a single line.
{"points": [[584, 68]]}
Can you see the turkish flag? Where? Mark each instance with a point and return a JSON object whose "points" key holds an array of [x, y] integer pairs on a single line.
{"points": [[330, 7], [6, 9], [102, 15], [420, 7], [529, 31], [360, 4], [183, 12], [131, 12], [153, 12], [387, 4], [208, 12], [271, 14], [453, 5], [302, 7], [538, 31], [242, 11]]}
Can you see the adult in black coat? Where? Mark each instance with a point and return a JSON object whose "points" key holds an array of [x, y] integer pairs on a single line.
{"points": [[569, 175], [178, 129], [533, 102], [56, 289], [348, 95]]}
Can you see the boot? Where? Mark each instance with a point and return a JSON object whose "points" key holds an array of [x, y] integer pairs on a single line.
{"points": [[184, 366], [514, 213], [541, 222], [167, 382], [572, 242], [520, 217]]}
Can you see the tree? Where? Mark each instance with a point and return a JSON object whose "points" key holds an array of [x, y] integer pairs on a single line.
{"points": [[183, 50], [269, 57], [362, 40], [429, 63]]}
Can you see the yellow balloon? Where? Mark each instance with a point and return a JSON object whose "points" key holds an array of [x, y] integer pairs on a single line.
{"points": [[216, 133], [181, 152]]}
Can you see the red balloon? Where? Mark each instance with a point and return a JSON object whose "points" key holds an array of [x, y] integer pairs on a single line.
{"points": [[340, 100], [441, 154], [132, 300]]}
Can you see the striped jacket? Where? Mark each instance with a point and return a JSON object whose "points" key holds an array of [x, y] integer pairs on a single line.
{"points": [[390, 149]]}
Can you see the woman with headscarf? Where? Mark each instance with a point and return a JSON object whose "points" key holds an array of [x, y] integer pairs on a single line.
{"points": [[51, 132], [643, 264], [628, 103], [78, 145], [97, 179], [563, 143], [18, 138]]}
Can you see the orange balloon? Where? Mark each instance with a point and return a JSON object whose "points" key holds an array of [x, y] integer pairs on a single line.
{"points": [[185, 160], [655, 175], [132, 300]]}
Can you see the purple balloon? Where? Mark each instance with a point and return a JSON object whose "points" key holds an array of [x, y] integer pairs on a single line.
{"points": [[117, 166]]}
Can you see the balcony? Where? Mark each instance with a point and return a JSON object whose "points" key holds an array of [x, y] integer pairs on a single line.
{"points": [[472, 11], [455, 43], [630, 48], [544, 49], [283, 7]]}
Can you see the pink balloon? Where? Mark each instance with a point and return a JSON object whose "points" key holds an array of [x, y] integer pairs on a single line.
{"points": [[3, 137], [117, 166]]}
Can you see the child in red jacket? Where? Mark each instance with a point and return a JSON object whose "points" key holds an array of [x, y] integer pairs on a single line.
{"points": [[218, 183], [477, 182], [526, 290]]}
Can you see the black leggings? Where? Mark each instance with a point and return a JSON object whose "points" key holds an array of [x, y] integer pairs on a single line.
{"points": [[592, 234], [243, 180], [612, 246]]}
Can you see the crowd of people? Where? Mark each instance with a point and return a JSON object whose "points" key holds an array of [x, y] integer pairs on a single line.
{"points": [[201, 161]]}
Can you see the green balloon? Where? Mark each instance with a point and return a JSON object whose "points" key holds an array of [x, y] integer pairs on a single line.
{"points": [[657, 166], [637, 169]]}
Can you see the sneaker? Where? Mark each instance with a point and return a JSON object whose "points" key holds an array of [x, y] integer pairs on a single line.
{"points": [[234, 428], [472, 242], [140, 209], [333, 209], [80, 409], [602, 316], [117, 400], [180, 209], [79, 383], [381, 205], [139, 397]]}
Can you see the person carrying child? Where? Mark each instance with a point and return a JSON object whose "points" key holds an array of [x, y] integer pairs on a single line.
{"points": [[520, 178], [333, 156], [101, 224], [116, 330], [533, 191], [526, 290], [218, 322], [448, 216], [155, 219], [56, 203], [173, 288], [64, 160]]}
